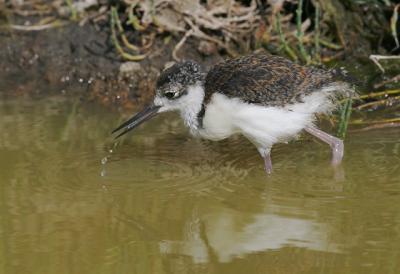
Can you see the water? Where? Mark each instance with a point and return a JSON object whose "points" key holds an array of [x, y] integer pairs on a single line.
{"points": [[160, 201]]}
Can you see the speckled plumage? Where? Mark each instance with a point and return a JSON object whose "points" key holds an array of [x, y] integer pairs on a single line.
{"points": [[266, 80]]}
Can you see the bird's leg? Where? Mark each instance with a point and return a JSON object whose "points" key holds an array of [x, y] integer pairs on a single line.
{"points": [[336, 144], [268, 163], [266, 154]]}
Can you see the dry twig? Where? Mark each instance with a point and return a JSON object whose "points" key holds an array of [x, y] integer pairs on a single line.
{"points": [[377, 58]]}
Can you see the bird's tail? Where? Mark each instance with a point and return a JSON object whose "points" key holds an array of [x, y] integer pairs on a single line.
{"points": [[343, 75], [344, 84]]}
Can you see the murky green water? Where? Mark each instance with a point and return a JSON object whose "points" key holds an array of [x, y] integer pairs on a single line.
{"points": [[167, 203]]}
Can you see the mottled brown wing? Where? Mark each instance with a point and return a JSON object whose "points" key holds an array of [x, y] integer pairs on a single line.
{"points": [[265, 80]]}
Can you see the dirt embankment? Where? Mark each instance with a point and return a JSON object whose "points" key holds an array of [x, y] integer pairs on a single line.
{"points": [[88, 56], [76, 60]]}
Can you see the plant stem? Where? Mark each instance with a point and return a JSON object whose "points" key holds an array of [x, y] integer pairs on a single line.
{"points": [[300, 34], [282, 38], [344, 118], [74, 13], [378, 94], [115, 41], [317, 33]]}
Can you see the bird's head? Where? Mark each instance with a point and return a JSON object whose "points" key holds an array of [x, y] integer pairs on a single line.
{"points": [[175, 90], [173, 85]]}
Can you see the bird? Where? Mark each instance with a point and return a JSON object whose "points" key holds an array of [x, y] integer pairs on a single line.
{"points": [[267, 98]]}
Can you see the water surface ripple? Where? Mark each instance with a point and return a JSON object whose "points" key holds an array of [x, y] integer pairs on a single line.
{"points": [[160, 201]]}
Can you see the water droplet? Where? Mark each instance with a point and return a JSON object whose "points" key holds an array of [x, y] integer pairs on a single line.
{"points": [[111, 151]]}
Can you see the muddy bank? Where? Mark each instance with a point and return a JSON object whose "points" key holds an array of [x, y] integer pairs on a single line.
{"points": [[75, 60], [88, 56]]}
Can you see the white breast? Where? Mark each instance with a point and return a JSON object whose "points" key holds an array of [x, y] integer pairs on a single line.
{"points": [[262, 125]]}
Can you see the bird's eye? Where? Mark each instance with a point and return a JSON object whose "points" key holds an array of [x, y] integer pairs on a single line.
{"points": [[169, 95]]}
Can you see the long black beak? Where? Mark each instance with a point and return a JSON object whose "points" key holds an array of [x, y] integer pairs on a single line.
{"points": [[138, 119]]}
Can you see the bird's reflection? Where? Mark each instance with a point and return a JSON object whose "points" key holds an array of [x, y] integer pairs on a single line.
{"points": [[228, 234]]}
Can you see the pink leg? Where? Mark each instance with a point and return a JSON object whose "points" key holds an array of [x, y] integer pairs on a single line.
{"points": [[266, 154], [335, 143]]}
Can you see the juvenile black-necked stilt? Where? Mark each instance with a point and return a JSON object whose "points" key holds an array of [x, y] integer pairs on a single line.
{"points": [[266, 98]]}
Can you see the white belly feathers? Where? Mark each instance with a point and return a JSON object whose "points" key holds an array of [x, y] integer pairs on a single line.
{"points": [[264, 126]]}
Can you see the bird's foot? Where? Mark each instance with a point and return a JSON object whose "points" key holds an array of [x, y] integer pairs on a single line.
{"points": [[337, 147]]}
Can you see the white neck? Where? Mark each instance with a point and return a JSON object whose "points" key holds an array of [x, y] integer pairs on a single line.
{"points": [[191, 106]]}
